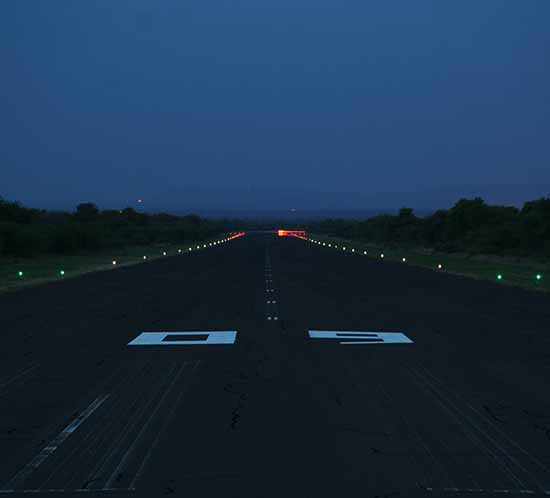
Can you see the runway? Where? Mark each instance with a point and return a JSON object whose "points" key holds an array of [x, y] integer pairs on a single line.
{"points": [[277, 368]]}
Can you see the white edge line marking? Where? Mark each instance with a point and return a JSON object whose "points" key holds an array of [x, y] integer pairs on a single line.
{"points": [[54, 444]]}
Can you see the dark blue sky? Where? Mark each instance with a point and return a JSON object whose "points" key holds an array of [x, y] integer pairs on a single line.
{"points": [[269, 104]]}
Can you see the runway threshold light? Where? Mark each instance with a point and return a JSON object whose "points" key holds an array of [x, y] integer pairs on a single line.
{"points": [[539, 277], [301, 234], [20, 273], [62, 272], [499, 277]]}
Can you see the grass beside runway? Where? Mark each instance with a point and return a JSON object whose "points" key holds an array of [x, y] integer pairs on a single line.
{"points": [[522, 273], [17, 273]]}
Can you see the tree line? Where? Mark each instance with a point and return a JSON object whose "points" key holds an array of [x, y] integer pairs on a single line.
{"points": [[29, 232], [470, 226]]}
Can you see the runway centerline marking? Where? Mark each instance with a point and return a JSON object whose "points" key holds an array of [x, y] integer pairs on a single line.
{"points": [[184, 338], [363, 337]]}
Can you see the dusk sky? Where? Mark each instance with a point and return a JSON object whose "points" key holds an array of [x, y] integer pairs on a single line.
{"points": [[272, 104]]}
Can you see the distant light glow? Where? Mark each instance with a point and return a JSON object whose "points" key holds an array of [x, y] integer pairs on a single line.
{"points": [[381, 255], [140, 201], [365, 253], [114, 262], [343, 248], [539, 276], [164, 254], [439, 266], [62, 272], [144, 257], [329, 245], [353, 250], [20, 273], [404, 259], [301, 234], [179, 250], [499, 277]]}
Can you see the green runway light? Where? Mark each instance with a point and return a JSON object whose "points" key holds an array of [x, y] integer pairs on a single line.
{"points": [[539, 276], [62, 272], [499, 277], [20, 273]]}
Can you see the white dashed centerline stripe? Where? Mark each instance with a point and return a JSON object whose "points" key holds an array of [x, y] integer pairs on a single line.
{"points": [[20, 477]]}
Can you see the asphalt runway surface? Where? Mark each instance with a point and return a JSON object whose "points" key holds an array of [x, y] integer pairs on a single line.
{"points": [[462, 410]]}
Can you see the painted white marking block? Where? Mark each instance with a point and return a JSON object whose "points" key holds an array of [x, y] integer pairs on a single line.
{"points": [[375, 337], [157, 338]]}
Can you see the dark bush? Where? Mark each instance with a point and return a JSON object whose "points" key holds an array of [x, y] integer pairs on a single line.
{"points": [[470, 225]]}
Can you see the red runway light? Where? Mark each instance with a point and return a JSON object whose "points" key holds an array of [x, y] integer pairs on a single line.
{"points": [[301, 234]]}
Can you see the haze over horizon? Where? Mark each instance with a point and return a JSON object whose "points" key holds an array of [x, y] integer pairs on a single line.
{"points": [[205, 106]]}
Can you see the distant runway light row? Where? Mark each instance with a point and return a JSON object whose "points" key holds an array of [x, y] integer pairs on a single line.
{"points": [[114, 262], [538, 277]]}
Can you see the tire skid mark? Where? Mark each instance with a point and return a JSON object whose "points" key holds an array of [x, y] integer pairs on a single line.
{"points": [[471, 426], [89, 439], [387, 404], [511, 441], [471, 435], [436, 463], [18, 379], [147, 424], [133, 404], [154, 444], [125, 432]]}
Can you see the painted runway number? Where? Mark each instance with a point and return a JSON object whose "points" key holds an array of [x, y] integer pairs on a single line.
{"points": [[354, 337], [184, 338]]}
